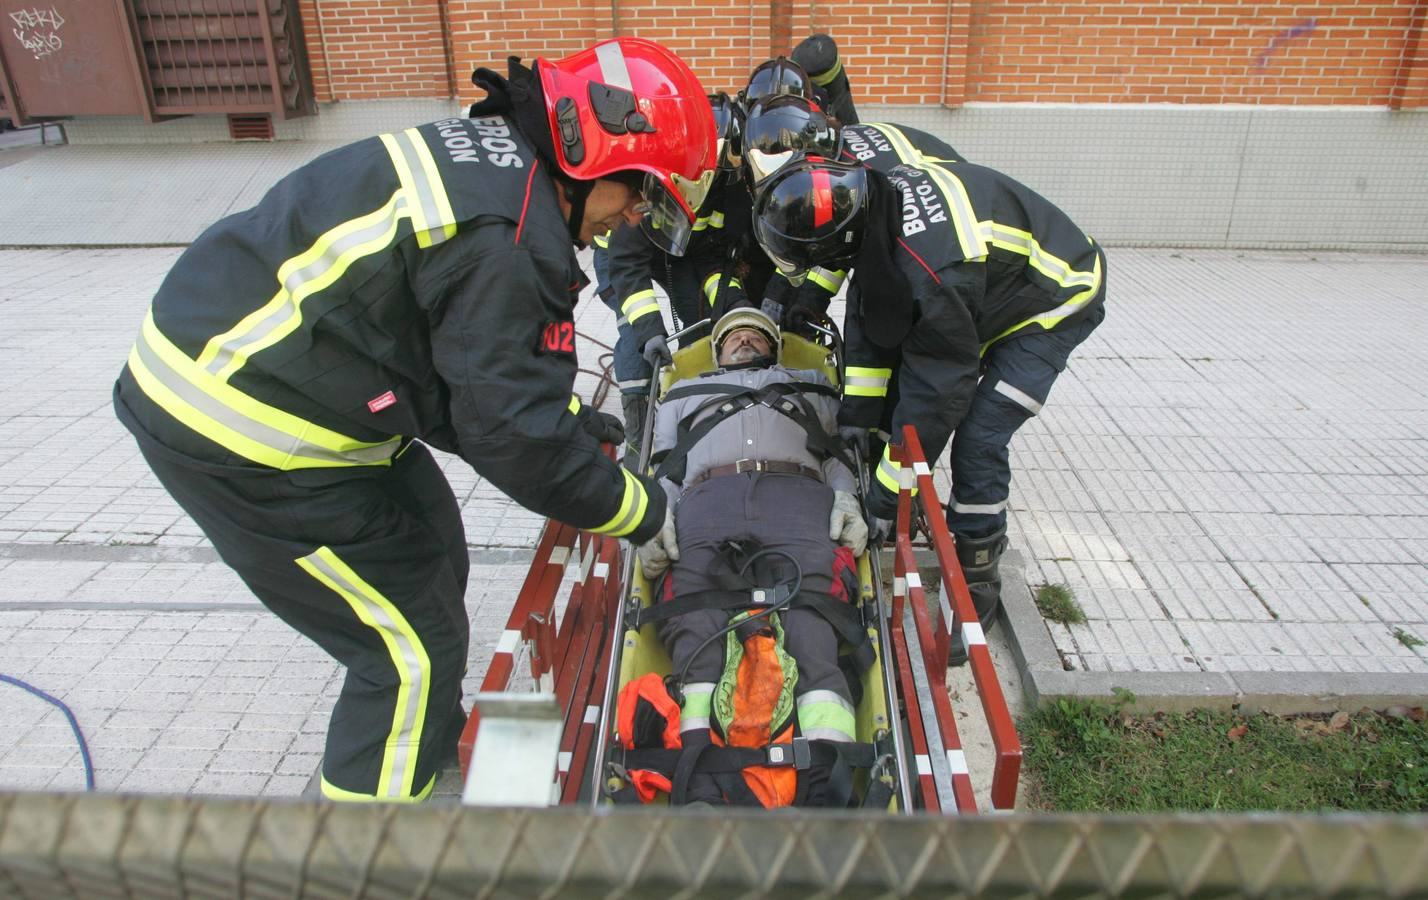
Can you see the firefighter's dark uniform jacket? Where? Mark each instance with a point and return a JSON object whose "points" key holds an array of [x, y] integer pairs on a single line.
{"points": [[879, 146], [418, 285], [727, 267], [987, 259]]}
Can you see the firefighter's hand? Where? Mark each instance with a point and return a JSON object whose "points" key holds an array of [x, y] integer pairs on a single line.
{"points": [[881, 531], [656, 351], [658, 552], [604, 428], [855, 437], [846, 525]]}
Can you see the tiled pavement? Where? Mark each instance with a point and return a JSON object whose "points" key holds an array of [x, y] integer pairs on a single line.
{"points": [[1232, 476]]}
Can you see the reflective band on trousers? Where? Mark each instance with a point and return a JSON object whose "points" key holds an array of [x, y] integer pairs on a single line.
{"points": [[639, 305], [409, 658], [1019, 397], [694, 714], [866, 382], [980, 509], [632, 509], [825, 716], [230, 418]]}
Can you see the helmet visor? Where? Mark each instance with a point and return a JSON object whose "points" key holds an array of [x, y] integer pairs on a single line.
{"points": [[777, 76], [762, 163], [668, 218]]}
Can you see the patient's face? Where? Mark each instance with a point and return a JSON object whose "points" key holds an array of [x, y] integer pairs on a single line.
{"points": [[743, 345]]}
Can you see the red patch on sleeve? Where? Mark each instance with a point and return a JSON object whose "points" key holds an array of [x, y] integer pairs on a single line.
{"points": [[377, 404]]}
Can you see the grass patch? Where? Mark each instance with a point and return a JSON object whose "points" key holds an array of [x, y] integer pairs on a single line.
{"points": [[1094, 757], [1408, 639], [1058, 603]]}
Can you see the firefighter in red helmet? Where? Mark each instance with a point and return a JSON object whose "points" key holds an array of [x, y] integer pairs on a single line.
{"points": [[411, 289]]}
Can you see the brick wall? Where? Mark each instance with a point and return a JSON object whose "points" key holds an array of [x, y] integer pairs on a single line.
{"points": [[915, 52]]}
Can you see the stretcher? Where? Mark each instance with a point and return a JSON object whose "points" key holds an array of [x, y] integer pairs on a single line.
{"points": [[568, 626]]}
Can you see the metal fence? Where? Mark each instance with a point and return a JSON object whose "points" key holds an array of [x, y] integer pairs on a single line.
{"points": [[88, 845]]}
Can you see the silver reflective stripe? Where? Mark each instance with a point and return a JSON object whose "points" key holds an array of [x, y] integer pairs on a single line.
{"points": [[867, 381], [1053, 267], [824, 697], [293, 284], [634, 383], [272, 438], [398, 637], [425, 190], [826, 734], [612, 65], [693, 723], [985, 509], [1018, 396]]}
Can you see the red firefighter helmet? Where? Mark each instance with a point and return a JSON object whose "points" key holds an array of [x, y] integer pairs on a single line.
{"points": [[631, 104]]}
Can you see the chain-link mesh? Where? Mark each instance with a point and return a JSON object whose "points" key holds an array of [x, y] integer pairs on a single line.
{"points": [[92, 846]]}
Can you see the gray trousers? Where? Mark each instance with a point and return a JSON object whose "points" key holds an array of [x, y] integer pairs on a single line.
{"points": [[785, 512]]}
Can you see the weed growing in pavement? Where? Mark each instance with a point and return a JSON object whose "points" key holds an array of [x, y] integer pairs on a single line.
{"points": [[1095, 756], [1408, 639], [1058, 603]]}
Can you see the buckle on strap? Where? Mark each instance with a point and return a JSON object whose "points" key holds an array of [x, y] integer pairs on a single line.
{"points": [[796, 754], [750, 465]]}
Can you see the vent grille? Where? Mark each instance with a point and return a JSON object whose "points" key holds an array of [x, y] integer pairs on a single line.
{"points": [[250, 128]]}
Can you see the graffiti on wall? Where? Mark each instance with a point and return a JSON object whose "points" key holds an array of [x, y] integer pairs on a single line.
{"points": [[1284, 37], [38, 30]]}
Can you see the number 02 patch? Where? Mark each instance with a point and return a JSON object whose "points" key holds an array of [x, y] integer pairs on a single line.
{"points": [[557, 338]]}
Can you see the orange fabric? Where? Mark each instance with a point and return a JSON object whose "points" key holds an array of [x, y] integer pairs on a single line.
{"points": [[650, 688], [758, 684], [647, 783]]}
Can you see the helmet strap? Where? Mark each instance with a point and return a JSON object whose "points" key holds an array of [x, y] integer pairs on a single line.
{"points": [[576, 193], [888, 323]]}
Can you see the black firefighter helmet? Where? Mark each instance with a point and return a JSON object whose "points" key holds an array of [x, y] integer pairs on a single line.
{"points": [[781, 127], [812, 212]]}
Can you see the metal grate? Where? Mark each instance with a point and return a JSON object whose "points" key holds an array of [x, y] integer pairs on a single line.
{"points": [[250, 128], [233, 56], [98, 845]]}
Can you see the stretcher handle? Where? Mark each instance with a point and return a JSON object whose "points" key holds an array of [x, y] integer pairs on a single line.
{"points": [[627, 572]]}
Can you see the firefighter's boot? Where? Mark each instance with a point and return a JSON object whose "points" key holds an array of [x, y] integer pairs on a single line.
{"points": [[636, 407], [981, 560]]}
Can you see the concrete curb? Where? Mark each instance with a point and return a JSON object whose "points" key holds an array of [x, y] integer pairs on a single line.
{"points": [[1044, 679]]}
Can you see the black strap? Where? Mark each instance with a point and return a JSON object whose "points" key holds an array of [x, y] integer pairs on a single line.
{"points": [[784, 397]]}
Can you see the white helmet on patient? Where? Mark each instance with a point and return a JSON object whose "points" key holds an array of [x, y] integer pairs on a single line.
{"points": [[745, 317]]}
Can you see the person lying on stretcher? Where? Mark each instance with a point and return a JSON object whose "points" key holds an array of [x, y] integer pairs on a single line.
{"points": [[764, 515]]}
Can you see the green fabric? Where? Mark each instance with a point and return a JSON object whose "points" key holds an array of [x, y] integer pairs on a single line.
{"points": [[723, 712]]}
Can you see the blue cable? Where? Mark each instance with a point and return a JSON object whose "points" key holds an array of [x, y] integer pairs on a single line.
{"points": [[73, 724]]}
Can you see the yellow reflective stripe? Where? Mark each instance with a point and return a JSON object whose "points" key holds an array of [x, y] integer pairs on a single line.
{"points": [[399, 756], [445, 217], [230, 418], [716, 219], [603, 241], [1053, 267], [711, 286], [828, 279], [824, 715], [313, 270], [574, 405], [1051, 318], [964, 218], [639, 304], [632, 509], [333, 792], [865, 382], [907, 154], [889, 473], [827, 77]]}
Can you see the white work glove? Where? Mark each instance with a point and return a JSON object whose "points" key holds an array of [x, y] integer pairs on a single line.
{"points": [[658, 552], [846, 525]]}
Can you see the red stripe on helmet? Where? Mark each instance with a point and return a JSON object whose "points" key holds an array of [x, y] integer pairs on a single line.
{"points": [[822, 198]]}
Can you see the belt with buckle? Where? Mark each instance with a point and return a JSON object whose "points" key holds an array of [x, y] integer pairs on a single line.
{"points": [[772, 466]]}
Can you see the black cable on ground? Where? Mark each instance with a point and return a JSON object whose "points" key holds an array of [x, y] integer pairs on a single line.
{"points": [[73, 724]]}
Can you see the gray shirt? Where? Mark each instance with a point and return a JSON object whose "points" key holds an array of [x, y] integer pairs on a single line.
{"points": [[755, 433]]}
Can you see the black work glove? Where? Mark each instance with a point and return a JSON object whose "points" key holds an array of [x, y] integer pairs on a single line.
{"points": [[656, 351], [855, 438], [603, 427]]}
